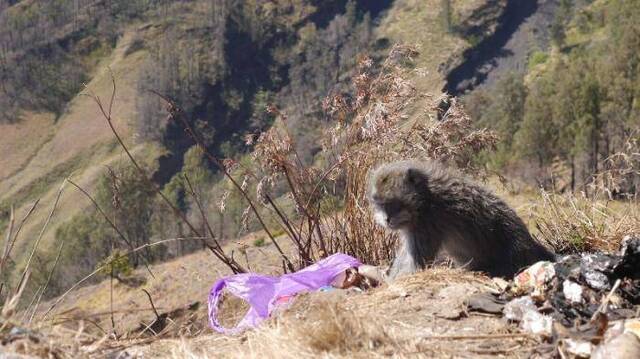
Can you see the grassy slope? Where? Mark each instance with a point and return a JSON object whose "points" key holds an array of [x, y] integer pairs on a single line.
{"points": [[19, 142], [79, 144], [395, 319], [418, 23], [574, 38]]}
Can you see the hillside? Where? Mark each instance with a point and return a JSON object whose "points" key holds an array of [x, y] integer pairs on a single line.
{"points": [[79, 143], [255, 123]]}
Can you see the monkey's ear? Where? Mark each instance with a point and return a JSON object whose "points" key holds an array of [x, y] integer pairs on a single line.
{"points": [[413, 177]]}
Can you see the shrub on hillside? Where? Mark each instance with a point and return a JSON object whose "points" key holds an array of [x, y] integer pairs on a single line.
{"points": [[370, 127]]}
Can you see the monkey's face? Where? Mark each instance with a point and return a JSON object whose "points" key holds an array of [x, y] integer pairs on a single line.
{"points": [[393, 196], [391, 214]]}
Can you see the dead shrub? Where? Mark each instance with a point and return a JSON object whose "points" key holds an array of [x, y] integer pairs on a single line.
{"points": [[600, 216], [573, 223], [384, 119], [620, 176]]}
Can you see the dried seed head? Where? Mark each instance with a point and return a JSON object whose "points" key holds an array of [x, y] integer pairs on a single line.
{"points": [[223, 201]]}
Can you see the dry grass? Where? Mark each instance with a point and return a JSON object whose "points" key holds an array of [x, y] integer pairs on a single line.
{"points": [[21, 140], [325, 326], [598, 217], [417, 23], [80, 133], [401, 320], [414, 316], [575, 223], [419, 315]]}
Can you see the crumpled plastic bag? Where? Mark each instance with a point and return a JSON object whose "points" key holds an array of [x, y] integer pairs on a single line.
{"points": [[264, 293]]}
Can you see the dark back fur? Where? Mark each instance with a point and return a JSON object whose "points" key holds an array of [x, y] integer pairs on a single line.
{"points": [[438, 211]]}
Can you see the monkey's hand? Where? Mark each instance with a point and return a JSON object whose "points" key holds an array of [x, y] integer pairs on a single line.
{"points": [[372, 272]]}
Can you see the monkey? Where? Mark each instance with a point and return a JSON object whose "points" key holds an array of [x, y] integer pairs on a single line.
{"points": [[440, 213]]}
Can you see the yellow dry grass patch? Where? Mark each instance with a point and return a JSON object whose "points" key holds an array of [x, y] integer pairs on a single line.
{"points": [[178, 283], [20, 141], [418, 23]]}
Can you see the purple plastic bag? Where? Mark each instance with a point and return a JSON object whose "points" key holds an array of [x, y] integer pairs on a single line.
{"points": [[262, 291]]}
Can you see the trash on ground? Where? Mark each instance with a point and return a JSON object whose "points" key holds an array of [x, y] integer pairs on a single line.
{"points": [[584, 305], [572, 291], [534, 280], [535, 323], [515, 309], [577, 348], [266, 293]]}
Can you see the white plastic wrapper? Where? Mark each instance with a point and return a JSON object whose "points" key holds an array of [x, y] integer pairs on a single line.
{"points": [[536, 323], [515, 309], [572, 291], [578, 348]]}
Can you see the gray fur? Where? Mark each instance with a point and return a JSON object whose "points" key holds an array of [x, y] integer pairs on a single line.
{"points": [[439, 212]]}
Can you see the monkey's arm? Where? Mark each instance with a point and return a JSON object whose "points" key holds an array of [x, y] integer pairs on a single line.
{"points": [[402, 264], [414, 254]]}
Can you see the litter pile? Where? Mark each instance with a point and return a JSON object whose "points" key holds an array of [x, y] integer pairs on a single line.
{"points": [[584, 305]]}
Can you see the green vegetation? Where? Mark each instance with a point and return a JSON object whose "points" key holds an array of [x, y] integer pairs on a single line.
{"points": [[537, 58], [89, 238], [261, 53], [49, 49], [35, 189], [116, 265], [223, 63], [581, 107]]}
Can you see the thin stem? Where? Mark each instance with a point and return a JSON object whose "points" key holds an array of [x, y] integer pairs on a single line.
{"points": [[233, 264], [10, 245], [174, 110], [113, 225], [46, 285], [44, 227], [100, 268], [176, 211]]}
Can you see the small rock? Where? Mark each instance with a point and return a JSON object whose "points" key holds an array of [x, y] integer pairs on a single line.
{"points": [[596, 280], [500, 283], [457, 291], [485, 303], [450, 314]]}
